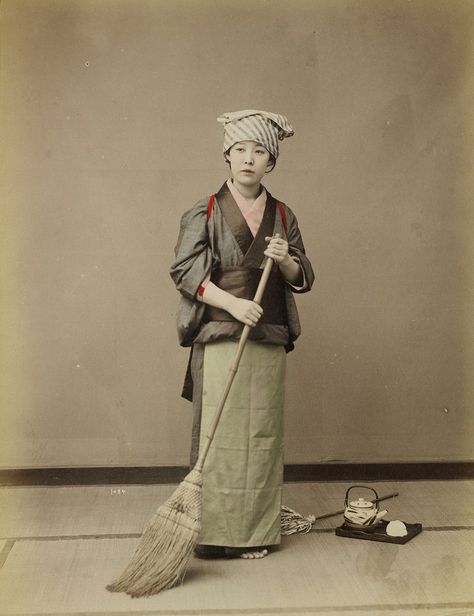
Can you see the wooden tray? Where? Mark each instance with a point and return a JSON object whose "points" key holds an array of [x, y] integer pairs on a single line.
{"points": [[379, 533]]}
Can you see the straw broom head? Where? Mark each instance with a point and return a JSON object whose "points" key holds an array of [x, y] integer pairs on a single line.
{"points": [[166, 546]]}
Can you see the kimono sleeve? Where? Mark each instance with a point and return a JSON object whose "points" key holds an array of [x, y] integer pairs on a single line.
{"points": [[193, 257], [296, 249]]}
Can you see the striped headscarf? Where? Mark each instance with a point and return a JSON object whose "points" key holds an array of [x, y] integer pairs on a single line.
{"points": [[251, 125]]}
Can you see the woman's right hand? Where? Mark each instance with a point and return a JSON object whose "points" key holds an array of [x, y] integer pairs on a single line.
{"points": [[245, 311]]}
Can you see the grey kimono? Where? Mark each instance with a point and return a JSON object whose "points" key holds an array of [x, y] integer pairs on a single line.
{"points": [[214, 238]]}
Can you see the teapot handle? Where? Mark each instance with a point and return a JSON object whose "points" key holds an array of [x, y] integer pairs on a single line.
{"points": [[346, 500]]}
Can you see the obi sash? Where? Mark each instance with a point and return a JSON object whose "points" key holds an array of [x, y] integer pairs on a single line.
{"points": [[242, 282]]}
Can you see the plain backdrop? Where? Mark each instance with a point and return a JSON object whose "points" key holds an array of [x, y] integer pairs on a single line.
{"points": [[109, 133]]}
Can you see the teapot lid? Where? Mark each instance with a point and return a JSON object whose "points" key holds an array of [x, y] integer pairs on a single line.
{"points": [[361, 503]]}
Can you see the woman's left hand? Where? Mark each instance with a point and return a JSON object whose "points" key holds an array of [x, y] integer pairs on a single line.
{"points": [[277, 249]]}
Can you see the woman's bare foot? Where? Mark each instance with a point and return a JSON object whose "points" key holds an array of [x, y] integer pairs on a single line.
{"points": [[254, 554], [247, 553]]}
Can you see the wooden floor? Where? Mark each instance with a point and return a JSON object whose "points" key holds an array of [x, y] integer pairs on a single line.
{"points": [[60, 546]]}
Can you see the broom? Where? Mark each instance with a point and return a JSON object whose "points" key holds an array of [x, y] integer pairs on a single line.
{"points": [[167, 544]]}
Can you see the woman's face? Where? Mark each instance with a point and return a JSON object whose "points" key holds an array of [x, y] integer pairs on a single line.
{"points": [[249, 161]]}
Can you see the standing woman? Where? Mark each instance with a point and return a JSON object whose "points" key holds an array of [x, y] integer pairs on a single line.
{"points": [[221, 250]]}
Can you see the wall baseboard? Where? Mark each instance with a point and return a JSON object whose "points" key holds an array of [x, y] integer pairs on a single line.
{"points": [[293, 472]]}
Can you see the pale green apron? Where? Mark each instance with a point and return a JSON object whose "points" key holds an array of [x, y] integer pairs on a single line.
{"points": [[243, 473]]}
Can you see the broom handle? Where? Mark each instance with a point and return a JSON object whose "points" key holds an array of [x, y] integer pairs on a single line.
{"points": [[233, 369]]}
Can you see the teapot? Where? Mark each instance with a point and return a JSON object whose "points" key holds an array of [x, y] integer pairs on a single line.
{"points": [[362, 514]]}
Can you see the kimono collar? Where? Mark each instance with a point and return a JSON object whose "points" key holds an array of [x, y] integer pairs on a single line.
{"points": [[252, 209], [252, 247]]}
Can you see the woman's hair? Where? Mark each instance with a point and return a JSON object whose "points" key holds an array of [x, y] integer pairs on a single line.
{"points": [[272, 159]]}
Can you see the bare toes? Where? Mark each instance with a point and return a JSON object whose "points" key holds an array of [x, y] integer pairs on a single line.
{"points": [[254, 555]]}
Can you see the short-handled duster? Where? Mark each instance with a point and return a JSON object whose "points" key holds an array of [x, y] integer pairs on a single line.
{"points": [[167, 544]]}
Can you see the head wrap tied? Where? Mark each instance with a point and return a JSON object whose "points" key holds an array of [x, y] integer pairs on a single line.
{"points": [[251, 125]]}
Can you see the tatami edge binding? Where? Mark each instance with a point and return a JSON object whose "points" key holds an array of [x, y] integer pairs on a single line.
{"points": [[272, 611]]}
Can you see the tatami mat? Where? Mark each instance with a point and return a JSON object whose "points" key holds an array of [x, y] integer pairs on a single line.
{"points": [[88, 510], [82, 510], [61, 546], [312, 571]]}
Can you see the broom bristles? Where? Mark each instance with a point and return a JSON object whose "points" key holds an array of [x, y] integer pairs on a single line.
{"points": [[166, 546], [293, 522]]}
